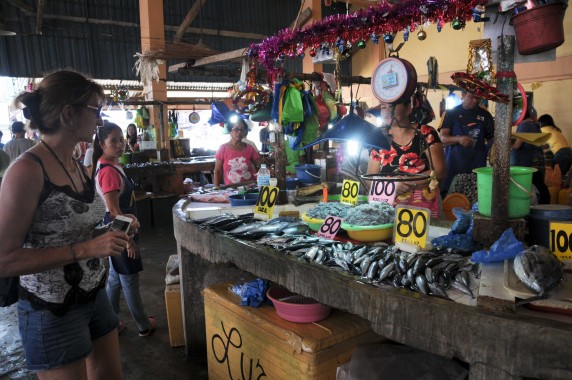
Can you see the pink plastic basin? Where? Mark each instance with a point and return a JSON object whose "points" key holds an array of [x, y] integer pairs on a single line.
{"points": [[296, 308]]}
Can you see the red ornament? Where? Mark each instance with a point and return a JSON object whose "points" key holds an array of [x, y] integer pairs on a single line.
{"points": [[312, 52]]}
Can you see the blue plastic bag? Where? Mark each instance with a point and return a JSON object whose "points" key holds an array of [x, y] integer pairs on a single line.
{"points": [[506, 247], [251, 293]]}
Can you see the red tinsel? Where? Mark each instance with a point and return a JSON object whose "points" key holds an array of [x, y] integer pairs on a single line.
{"points": [[378, 19]]}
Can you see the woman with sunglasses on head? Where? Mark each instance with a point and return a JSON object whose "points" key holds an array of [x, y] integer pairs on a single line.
{"points": [[48, 217], [118, 192], [236, 161]]}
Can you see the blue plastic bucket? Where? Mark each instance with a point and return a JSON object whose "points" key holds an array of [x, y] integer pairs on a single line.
{"points": [[539, 222], [308, 173]]}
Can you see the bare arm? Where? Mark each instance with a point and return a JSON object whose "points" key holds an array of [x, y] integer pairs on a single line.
{"points": [[218, 174], [516, 144], [438, 157], [447, 139], [16, 214]]}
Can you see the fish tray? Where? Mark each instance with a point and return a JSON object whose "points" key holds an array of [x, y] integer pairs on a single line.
{"points": [[559, 300]]}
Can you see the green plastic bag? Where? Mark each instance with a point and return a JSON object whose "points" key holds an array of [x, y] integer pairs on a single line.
{"points": [[292, 110]]}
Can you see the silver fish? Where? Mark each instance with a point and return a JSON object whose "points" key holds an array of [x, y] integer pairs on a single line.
{"points": [[462, 287], [246, 227], [538, 269], [384, 273]]}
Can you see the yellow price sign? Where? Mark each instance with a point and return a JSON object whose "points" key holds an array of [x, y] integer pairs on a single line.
{"points": [[266, 200], [350, 191], [561, 240], [411, 225]]}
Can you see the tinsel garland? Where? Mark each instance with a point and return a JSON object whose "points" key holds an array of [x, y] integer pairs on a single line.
{"points": [[361, 25]]}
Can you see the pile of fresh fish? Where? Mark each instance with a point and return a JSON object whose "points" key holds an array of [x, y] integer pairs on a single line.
{"points": [[323, 210], [428, 272], [539, 270], [249, 228], [371, 214]]}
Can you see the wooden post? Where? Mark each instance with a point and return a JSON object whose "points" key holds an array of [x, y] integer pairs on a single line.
{"points": [[153, 38], [503, 123]]}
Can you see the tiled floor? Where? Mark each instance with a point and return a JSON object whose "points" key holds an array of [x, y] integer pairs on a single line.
{"points": [[142, 358]]}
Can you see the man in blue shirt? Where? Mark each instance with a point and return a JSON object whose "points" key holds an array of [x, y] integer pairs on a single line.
{"points": [[467, 132]]}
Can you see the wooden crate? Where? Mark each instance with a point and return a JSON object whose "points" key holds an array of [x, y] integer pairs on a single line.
{"points": [[249, 343], [174, 315]]}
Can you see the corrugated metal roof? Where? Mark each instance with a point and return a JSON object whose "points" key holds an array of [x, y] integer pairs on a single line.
{"points": [[100, 37]]}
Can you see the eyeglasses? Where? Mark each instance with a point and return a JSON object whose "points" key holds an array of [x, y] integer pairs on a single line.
{"points": [[96, 109], [242, 130]]}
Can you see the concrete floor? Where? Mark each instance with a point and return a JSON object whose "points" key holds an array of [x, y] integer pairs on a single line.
{"points": [[142, 358]]}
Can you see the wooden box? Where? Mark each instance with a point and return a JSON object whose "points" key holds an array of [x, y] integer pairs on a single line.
{"points": [[251, 343], [174, 315]]}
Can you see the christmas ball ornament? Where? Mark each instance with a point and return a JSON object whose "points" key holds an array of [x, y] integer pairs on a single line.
{"points": [[302, 55], [361, 44], [421, 35], [281, 57], [388, 38], [312, 52], [457, 24]]}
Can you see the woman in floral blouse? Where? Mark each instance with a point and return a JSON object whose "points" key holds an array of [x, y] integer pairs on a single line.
{"points": [[408, 154]]}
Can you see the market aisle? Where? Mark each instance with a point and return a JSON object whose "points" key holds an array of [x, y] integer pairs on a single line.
{"points": [[147, 358]]}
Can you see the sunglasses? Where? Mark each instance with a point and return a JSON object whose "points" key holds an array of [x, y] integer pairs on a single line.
{"points": [[96, 109]]}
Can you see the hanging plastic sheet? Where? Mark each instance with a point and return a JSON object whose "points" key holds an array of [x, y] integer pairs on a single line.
{"points": [[353, 127]]}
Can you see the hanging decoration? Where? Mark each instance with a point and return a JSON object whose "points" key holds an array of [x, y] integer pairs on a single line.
{"points": [[371, 22], [120, 93], [248, 97]]}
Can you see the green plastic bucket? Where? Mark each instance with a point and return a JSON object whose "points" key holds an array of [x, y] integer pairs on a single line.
{"points": [[518, 191]]}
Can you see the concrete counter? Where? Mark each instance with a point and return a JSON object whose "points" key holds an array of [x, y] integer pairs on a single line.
{"points": [[496, 344]]}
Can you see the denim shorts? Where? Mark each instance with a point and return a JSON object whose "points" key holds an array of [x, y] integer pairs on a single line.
{"points": [[52, 341]]}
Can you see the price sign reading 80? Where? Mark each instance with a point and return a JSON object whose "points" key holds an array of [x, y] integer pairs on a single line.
{"points": [[330, 227], [266, 200], [382, 191], [412, 225], [561, 240], [350, 191]]}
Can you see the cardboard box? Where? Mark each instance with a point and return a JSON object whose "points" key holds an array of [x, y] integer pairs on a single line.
{"points": [[251, 343], [174, 315]]}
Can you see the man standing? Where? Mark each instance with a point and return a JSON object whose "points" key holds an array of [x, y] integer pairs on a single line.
{"points": [[19, 143], [467, 132]]}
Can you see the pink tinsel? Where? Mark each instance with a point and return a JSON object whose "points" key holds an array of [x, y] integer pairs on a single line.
{"points": [[379, 19]]}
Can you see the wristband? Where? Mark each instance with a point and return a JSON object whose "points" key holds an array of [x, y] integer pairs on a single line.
{"points": [[72, 253]]}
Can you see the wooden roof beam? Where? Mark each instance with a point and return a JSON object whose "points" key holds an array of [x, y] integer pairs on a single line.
{"points": [[39, 16], [22, 5], [187, 21]]}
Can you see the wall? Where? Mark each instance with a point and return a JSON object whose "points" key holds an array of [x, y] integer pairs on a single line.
{"points": [[551, 81]]}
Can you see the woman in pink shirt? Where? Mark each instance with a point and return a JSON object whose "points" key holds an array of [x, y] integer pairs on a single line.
{"points": [[236, 161]]}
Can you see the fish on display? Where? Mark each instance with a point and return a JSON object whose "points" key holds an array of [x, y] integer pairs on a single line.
{"points": [[539, 270]]}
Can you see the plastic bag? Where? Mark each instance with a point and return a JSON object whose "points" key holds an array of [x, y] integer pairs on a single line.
{"points": [[292, 110], [506, 247], [462, 242], [323, 112], [463, 222], [251, 293]]}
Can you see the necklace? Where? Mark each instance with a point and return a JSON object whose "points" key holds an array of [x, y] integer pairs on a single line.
{"points": [[62, 164]]}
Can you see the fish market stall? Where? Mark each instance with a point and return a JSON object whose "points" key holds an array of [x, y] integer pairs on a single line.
{"points": [[495, 343]]}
